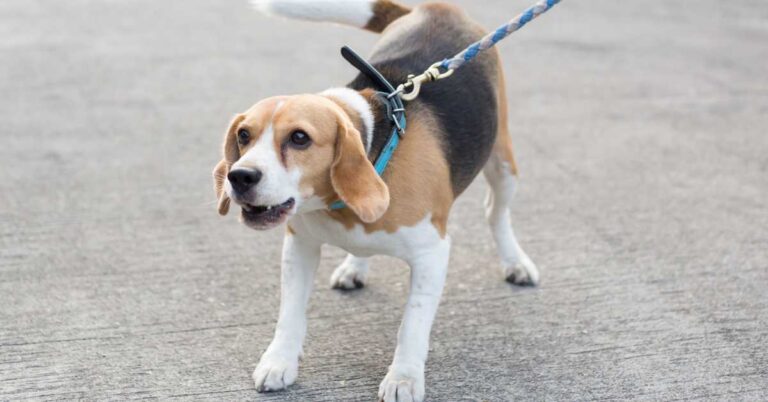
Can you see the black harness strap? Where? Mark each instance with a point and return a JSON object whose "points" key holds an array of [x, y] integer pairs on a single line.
{"points": [[366, 68]]}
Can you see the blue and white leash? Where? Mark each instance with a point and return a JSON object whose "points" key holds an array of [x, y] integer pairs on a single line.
{"points": [[496, 36], [433, 73]]}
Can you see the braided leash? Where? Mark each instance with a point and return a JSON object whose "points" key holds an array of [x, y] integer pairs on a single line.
{"points": [[494, 37], [433, 73]]}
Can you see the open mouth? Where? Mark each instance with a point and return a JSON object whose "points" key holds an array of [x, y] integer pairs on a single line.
{"points": [[264, 216]]}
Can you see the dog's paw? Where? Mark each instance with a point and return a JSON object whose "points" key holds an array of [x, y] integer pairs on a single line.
{"points": [[275, 373], [522, 273], [349, 275], [402, 384]]}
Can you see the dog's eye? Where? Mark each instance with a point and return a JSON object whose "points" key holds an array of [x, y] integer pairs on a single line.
{"points": [[300, 139], [243, 136]]}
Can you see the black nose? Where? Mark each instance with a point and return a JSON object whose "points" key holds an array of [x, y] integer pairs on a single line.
{"points": [[243, 179]]}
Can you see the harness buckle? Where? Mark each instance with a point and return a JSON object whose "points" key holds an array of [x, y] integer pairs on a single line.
{"points": [[397, 124]]}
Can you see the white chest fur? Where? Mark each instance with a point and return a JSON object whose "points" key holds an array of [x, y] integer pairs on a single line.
{"points": [[403, 243]]}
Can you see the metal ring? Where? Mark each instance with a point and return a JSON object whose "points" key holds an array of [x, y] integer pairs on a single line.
{"points": [[396, 92], [448, 72]]}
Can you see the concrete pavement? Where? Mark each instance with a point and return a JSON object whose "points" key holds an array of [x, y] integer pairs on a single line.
{"points": [[640, 130]]}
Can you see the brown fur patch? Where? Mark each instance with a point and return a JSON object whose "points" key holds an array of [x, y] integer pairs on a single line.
{"points": [[418, 178], [384, 12]]}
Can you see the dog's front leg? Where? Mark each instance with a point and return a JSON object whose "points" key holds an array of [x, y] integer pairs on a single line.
{"points": [[405, 378], [278, 367]]}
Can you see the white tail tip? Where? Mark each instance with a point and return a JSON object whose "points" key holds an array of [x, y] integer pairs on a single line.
{"points": [[349, 12]]}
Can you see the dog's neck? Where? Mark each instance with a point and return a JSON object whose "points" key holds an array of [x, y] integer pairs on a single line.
{"points": [[382, 124], [367, 110]]}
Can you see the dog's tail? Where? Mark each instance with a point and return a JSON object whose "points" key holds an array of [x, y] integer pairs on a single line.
{"points": [[373, 15]]}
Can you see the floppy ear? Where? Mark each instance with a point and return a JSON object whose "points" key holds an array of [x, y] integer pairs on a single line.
{"points": [[231, 154], [354, 178], [219, 175]]}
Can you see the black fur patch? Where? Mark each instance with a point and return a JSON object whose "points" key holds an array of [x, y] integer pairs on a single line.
{"points": [[465, 104]]}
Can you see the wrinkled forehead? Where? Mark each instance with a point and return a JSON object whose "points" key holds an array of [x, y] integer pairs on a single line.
{"points": [[311, 113]]}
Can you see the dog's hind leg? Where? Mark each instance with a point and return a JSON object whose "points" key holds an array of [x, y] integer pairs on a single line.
{"points": [[350, 274], [518, 267], [501, 174]]}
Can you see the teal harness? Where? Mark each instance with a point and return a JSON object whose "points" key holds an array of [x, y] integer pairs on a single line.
{"points": [[395, 112]]}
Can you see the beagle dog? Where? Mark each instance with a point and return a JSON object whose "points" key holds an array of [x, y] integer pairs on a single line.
{"points": [[287, 159]]}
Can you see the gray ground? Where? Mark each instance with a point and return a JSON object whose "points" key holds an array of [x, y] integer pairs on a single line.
{"points": [[641, 135]]}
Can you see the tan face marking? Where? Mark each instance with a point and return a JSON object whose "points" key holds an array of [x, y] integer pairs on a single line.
{"points": [[253, 119], [333, 165], [256, 120], [315, 117]]}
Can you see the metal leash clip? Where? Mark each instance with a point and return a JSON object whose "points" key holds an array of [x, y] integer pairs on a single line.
{"points": [[431, 74]]}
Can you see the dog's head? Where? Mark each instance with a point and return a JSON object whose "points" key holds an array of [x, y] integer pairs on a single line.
{"points": [[294, 154]]}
